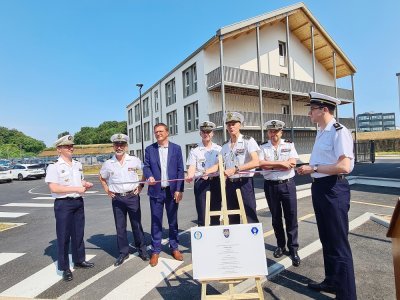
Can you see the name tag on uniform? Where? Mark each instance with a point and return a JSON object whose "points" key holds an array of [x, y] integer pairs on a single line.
{"points": [[132, 169], [239, 151], [285, 150]]}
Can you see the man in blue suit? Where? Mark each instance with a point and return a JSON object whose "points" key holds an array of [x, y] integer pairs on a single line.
{"points": [[162, 164]]}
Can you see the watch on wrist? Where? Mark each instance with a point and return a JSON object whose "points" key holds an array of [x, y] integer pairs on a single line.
{"points": [[237, 169], [315, 168], [141, 185]]}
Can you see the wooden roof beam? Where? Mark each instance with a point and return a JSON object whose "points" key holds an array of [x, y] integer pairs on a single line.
{"points": [[309, 38], [300, 26]]}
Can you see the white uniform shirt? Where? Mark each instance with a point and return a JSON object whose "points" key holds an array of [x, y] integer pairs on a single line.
{"points": [[330, 144], [203, 158], [239, 154], [121, 178], [163, 153], [64, 174], [284, 152]]}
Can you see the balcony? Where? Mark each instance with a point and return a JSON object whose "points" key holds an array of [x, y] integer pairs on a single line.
{"points": [[252, 119], [245, 82]]}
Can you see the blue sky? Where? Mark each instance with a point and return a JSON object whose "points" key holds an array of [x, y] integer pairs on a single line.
{"points": [[68, 64]]}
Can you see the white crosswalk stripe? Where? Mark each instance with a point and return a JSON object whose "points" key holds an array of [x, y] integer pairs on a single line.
{"points": [[7, 257], [37, 283], [43, 198], [11, 214], [28, 205], [144, 281]]}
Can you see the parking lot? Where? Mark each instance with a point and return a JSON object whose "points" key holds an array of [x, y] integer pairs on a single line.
{"points": [[28, 251]]}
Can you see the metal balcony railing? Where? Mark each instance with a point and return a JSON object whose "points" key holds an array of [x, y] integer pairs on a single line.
{"points": [[249, 79], [253, 119]]}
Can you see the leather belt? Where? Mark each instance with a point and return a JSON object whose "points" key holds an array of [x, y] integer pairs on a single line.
{"points": [[240, 179], [329, 178], [124, 194], [69, 198], [277, 181], [164, 188]]}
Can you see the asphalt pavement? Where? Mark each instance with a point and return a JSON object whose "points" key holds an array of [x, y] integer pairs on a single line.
{"points": [[28, 252]]}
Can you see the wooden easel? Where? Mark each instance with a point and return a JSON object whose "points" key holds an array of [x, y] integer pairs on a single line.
{"points": [[225, 213]]}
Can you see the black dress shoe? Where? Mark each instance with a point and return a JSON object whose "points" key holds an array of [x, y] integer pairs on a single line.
{"points": [[67, 275], [121, 258], [84, 265], [322, 287], [279, 252], [295, 259], [144, 255]]}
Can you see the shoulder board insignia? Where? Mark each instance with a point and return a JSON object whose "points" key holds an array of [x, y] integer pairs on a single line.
{"points": [[287, 141], [227, 141], [246, 137], [337, 126]]}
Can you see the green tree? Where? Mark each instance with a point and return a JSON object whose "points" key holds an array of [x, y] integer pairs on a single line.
{"points": [[101, 134], [15, 144]]}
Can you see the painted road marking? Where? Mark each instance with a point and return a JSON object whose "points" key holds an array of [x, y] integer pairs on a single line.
{"points": [[29, 204], [7, 257], [144, 281], [373, 204], [11, 214], [96, 277], [9, 225], [37, 283], [43, 198]]}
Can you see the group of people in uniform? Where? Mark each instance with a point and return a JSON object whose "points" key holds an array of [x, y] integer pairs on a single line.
{"points": [[163, 171]]}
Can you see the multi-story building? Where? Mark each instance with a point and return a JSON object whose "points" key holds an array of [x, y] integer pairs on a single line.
{"points": [[376, 121], [270, 63]]}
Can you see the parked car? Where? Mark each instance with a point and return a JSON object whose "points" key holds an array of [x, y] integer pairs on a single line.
{"points": [[23, 171], [5, 174]]}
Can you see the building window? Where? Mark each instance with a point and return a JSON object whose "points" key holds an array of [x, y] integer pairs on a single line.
{"points": [[188, 148], [189, 81], [132, 153], [172, 122], [137, 112], [157, 120], [130, 136], [130, 119], [285, 109], [282, 54], [191, 117], [146, 128], [156, 101], [138, 134], [283, 75], [139, 154], [146, 111], [170, 92]]}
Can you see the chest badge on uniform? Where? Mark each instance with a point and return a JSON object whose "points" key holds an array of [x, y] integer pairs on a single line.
{"points": [[131, 169], [239, 151], [66, 180]]}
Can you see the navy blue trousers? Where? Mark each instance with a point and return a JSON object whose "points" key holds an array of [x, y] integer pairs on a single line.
{"points": [[70, 226], [201, 187], [331, 201], [245, 184], [123, 206], [157, 209], [283, 197]]}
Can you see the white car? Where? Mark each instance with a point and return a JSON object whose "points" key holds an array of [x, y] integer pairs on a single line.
{"points": [[23, 171], [5, 174]]}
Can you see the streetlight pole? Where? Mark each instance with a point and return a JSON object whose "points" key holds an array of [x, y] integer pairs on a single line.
{"points": [[140, 85], [398, 78]]}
